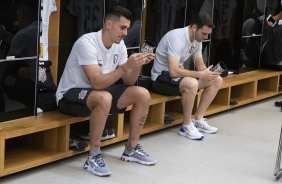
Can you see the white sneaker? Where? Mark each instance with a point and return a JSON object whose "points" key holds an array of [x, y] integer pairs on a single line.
{"points": [[191, 132], [203, 126]]}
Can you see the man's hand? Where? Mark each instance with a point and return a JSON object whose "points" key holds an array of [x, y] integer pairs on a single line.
{"points": [[138, 59], [149, 58], [207, 74]]}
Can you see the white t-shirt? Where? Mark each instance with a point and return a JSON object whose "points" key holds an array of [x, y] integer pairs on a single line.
{"points": [[177, 44], [89, 50], [47, 7]]}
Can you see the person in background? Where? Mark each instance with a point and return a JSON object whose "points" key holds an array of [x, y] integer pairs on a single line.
{"points": [[87, 87], [169, 77], [19, 80], [277, 17]]}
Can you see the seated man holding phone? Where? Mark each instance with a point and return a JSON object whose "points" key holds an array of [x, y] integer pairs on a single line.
{"points": [[169, 77], [272, 20]]}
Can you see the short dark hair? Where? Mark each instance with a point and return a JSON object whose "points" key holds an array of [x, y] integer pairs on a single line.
{"points": [[117, 12], [202, 19]]}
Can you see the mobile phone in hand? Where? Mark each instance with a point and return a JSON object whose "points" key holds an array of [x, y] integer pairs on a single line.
{"points": [[271, 19]]}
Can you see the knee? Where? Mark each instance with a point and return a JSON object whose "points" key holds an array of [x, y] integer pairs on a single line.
{"points": [[101, 99], [189, 84], [218, 81], [143, 95]]}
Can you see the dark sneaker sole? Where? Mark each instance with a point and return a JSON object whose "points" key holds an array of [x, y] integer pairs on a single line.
{"points": [[278, 104]]}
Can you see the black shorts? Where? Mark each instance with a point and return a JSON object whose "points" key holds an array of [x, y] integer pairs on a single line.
{"points": [[166, 85], [74, 100]]}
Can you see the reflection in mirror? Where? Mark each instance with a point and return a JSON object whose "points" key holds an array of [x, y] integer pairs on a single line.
{"points": [[133, 38], [271, 54], [17, 93], [226, 37], [252, 35], [19, 42]]}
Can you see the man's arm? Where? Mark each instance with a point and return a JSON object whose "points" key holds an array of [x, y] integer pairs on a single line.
{"points": [[132, 75], [176, 71], [129, 72], [278, 16], [199, 63], [100, 81]]}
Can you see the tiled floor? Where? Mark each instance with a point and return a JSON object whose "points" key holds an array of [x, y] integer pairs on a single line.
{"points": [[243, 151]]}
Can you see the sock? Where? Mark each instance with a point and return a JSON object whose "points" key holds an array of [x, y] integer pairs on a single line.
{"points": [[188, 125], [94, 153], [195, 120]]}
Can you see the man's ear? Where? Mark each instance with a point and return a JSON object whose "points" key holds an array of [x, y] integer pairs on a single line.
{"points": [[194, 27], [108, 24]]}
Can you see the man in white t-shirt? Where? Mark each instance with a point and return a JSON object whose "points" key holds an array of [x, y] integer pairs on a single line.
{"points": [[96, 62], [171, 78]]}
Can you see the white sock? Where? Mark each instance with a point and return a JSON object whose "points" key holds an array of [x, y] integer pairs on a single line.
{"points": [[188, 125]]}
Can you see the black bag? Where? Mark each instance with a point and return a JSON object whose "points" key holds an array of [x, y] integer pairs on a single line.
{"points": [[272, 45], [47, 101], [45, 80], [145, 81]]}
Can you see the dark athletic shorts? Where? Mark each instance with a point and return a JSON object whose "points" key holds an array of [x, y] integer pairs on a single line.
{"points": [[74, 100], [166, 85]]}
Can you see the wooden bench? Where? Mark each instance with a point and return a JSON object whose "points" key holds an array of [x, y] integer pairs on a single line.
{"points": [[45, 138]]}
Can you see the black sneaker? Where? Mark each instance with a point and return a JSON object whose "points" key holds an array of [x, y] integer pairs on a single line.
{"points": [[278, 104], [108, 133], [104, 135], [111, 132], [76, 145]]}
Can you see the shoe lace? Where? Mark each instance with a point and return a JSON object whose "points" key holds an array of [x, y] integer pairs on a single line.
{"points": [[205, 123], [99, 160], [191, 128], [138, 149]]}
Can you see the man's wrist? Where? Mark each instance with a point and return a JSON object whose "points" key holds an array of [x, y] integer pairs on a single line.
{"points": [[124, 69]]}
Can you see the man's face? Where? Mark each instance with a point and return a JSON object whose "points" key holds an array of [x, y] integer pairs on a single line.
{"points": [[119, 29], [203, 33]]}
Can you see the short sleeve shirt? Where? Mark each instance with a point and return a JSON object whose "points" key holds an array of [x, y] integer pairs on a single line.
{"points": [[177, 44], [89, 50]]}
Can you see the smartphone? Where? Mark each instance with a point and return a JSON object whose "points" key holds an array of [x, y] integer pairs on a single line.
{"points": [[271, 19]]}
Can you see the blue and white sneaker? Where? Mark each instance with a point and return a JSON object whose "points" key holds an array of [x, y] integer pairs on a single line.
{"points": [[191, 132], [203, 126], [138, 155], [96, 165]]}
